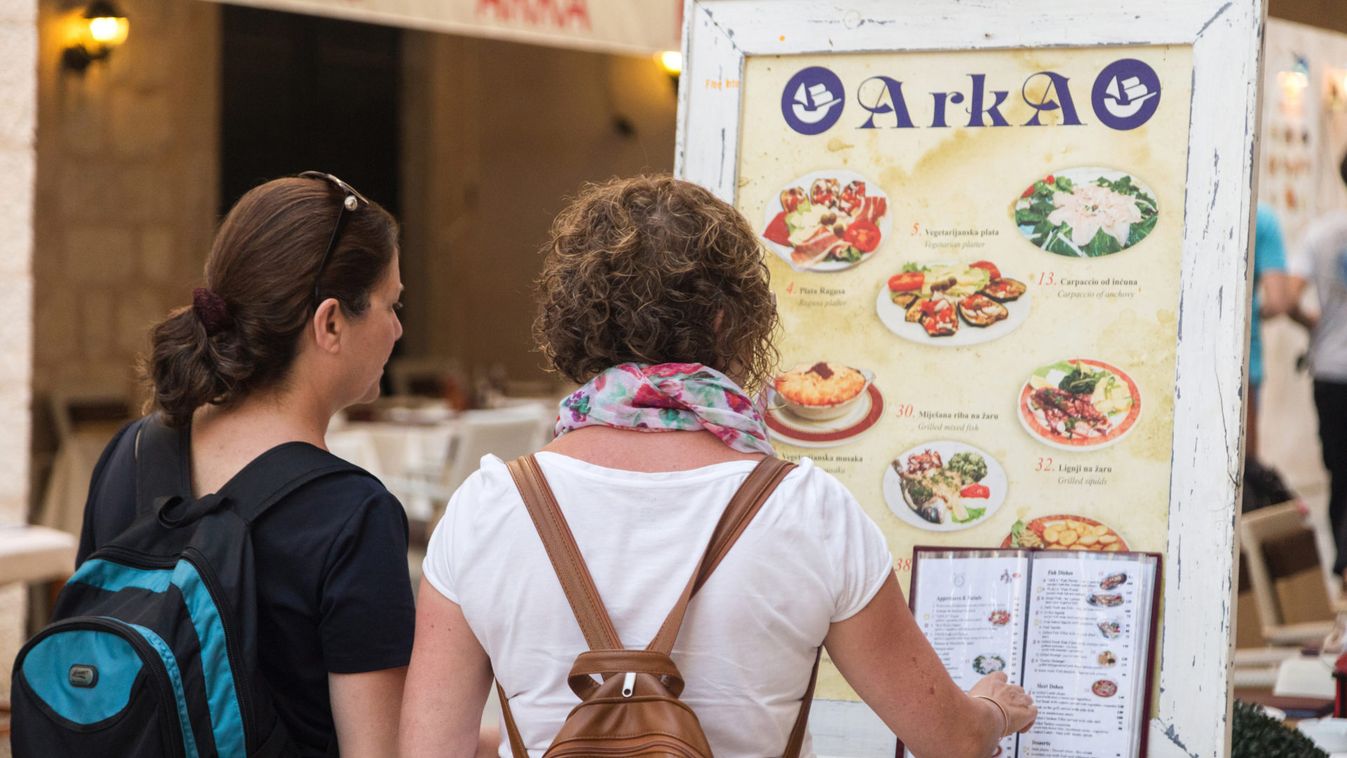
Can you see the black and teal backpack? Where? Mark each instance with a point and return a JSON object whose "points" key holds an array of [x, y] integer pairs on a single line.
{"points": [[152, 646]]}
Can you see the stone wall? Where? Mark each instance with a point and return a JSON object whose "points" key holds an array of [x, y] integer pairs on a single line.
{"points": [[127, 182], [18, 113]]}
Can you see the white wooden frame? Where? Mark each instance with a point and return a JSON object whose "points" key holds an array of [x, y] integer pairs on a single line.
{"points": [[1193, 715]]}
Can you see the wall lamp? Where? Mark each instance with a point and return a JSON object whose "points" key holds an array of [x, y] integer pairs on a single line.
{"points": [[102, 27], [671, 61]]}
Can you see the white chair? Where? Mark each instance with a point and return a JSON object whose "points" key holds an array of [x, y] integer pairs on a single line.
{"points": [[505, 432], [1275, 543]]}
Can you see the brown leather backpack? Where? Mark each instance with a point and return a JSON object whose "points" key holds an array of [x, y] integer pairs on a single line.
{"points": [[635, 711]]}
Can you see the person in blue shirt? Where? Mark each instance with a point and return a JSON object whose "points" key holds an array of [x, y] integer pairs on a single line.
{"points": [[1272, 296]]}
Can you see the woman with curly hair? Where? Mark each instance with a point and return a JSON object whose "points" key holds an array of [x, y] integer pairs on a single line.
{"points": [[654, 296]]}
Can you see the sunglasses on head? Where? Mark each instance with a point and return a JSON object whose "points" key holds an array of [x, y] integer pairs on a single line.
{"points": [[350, 203]]}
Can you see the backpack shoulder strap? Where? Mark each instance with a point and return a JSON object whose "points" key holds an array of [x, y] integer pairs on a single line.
{"points": [[163, 470], [269, 477], [162, 457], [745, 504], [569, 565]]}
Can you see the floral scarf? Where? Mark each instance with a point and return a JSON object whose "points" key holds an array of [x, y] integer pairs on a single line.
{"points": [[668, 397]]}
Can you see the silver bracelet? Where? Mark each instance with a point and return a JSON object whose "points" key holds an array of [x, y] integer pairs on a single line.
{"points": [[1005, 717]]}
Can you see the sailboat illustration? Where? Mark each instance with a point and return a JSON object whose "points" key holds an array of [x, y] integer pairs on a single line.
{"points": [[811, 105], [1124, 98]]}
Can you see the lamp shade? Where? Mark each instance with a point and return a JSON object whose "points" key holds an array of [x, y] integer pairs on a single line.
{"points": [[108, 26]]}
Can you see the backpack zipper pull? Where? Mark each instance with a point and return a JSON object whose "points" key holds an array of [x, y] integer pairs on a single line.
{"points": [[629, 684]]}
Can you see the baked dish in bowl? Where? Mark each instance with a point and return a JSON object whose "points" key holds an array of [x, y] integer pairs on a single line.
{"points": [[821, 392]]}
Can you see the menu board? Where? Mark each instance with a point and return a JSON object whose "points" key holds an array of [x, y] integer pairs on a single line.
{"points": [[1074, 628], [976, 259]]}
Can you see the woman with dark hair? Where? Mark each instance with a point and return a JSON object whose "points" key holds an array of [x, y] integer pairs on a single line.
{"points": [[654, 296], [296, 319]]}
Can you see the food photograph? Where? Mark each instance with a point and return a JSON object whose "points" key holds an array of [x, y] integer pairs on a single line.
{"points": [[952, 304], [1105, 599], [1064, 532], [1104, 688], [1079, 404], [822, 404], [989, 664], [1086, 212], [827, 221], [944, 486]]}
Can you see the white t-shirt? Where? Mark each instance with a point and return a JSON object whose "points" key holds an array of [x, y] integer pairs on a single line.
{"points": [[1323, 260], [809, 558]]}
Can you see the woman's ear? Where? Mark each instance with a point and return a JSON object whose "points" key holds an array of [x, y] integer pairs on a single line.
{"points": [[327, 325]]}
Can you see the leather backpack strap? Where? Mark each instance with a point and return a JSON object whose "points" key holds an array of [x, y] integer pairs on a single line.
{"points": [[797, 733], [517, 748], [745, 504], [569, 565]]}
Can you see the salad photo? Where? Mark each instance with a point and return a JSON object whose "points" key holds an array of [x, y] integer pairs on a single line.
{"points": [[944, 486], [1079, 403], [827, 221], [952, 303], [1086, 212], [989, 664]]}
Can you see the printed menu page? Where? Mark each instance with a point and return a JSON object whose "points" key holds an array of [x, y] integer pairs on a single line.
{"points": [[1074, 628], [976, 260], [974, 613], [1087, 661]]}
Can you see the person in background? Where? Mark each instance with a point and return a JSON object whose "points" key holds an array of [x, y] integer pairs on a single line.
{"points": [[1322, 261], [1272, 297], [296, 321], [655, 297]]}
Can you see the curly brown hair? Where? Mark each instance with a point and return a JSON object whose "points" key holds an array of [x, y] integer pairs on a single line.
{"points": [[654, 270]]}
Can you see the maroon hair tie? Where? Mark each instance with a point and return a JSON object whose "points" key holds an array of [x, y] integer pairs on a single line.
{"points": [[211, 310]]}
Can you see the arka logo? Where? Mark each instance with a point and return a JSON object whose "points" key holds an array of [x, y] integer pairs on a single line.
{"points": [[1125, 95], [555, 13]]}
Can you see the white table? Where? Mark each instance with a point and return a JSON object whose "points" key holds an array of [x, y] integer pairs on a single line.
{"points": [[35, 554]]}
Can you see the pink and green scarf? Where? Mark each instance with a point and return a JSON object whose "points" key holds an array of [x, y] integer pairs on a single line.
{"points": [[668, 397]]}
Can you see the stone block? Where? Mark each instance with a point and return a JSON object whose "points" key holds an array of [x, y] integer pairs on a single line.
{"points": [[98, 337], [56, 327], [92, 192], [15, 416], [16, 332], [13, 630], [18, 167], [136, 312], [142, 123], [158, 257], [18, 82], [81, 118], [18, 12], [149, 191], [99, 255]]}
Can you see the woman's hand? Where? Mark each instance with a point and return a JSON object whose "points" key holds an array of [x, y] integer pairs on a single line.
{"points": [[1016, 704]]}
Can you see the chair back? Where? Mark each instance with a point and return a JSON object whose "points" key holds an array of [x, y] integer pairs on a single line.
{"points": [[74, 409], [1276, 544], [507, 433]]}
